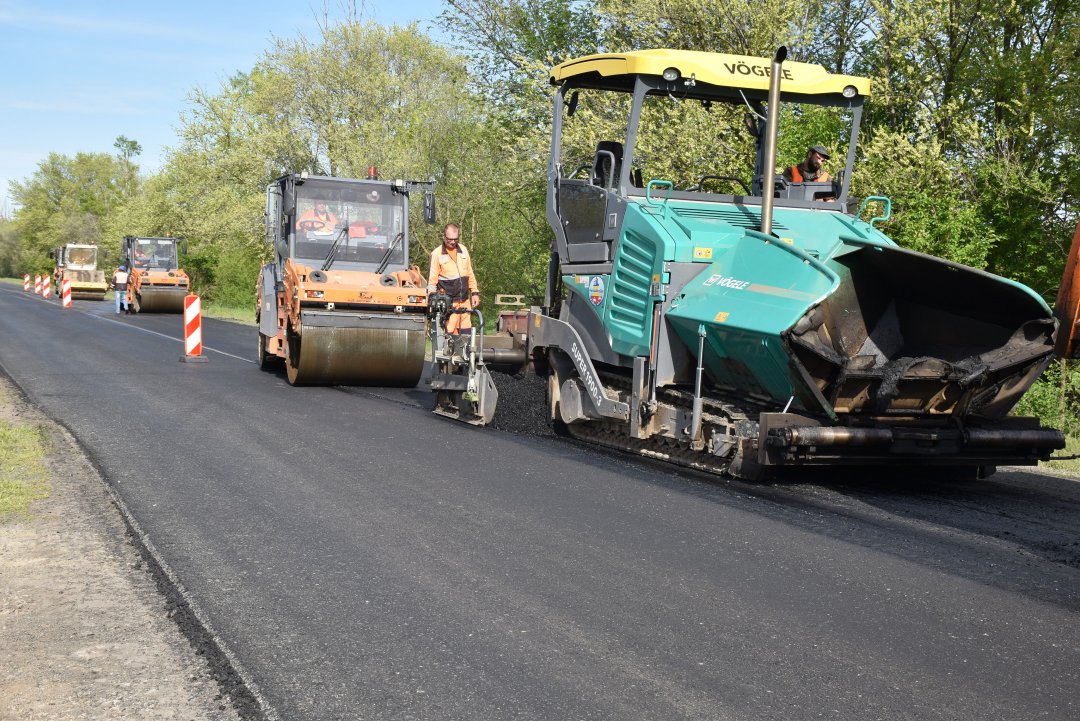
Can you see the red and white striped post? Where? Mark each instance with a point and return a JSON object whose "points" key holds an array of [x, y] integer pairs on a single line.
{"points": [[46, 287], [65, 293], [192, 330], [37, 285], [26, 282]]}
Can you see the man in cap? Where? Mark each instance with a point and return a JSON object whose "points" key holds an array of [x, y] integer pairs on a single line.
{"points": [[809, 170], [120, 283]]}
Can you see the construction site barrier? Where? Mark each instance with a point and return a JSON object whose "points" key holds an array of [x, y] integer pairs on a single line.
{"points": [[65, 293], [192, 330], [37, 285], [26, 282], [46, 287]]}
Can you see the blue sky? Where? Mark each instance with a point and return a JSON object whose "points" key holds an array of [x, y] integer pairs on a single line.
{"points": [[75, 75]]}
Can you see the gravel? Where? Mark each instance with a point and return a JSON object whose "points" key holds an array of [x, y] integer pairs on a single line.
{"points": [[86, 627], [522, 407]]}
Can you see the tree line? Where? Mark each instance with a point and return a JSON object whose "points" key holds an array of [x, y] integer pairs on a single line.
{"points": [[972, 130]]}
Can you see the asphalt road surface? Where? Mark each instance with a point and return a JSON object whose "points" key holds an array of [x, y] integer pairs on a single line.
{"points": [[360, 558]]}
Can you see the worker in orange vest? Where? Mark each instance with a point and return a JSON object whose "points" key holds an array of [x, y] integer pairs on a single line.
{"points": [[809, 170], [451, 272], [318, 219], [120, 284]]}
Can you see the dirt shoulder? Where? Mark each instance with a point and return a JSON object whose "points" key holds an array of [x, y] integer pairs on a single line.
{"points": [[85, 629]]}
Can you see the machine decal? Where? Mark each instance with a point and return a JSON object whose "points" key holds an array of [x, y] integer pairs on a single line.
{"points": [[596, 289], [727, 282], [722, 316], [722, 281], [762, 71], [702, 253], [585, 371]]}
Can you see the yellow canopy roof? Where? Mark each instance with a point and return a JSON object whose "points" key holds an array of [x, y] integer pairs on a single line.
{"points": [[716, 69]]}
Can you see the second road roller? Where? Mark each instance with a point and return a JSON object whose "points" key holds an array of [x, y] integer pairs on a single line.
{"points": [[340, 304], [77, 263], [157, 284]]}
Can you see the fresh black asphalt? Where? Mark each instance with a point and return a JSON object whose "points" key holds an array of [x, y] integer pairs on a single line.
{"points": [[361, 558]]}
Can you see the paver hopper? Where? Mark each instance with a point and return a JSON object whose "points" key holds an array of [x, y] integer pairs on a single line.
{"points": [[156, 283], [340, 304], [77, 263], [752, 324]]}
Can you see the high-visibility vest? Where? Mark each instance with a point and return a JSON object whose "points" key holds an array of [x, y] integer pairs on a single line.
{"points": [[328, 220], [453, 276], [796, 176]]}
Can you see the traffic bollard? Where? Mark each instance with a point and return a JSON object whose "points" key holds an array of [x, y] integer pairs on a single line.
{"points": [[192, 330]]}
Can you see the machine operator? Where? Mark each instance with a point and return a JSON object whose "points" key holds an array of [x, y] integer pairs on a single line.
{"points": [[318, 219], [810, 170]]}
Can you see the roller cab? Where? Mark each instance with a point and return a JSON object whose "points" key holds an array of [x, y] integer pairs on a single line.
{"points": [[340, 304], [77, 263], [156, 283]]}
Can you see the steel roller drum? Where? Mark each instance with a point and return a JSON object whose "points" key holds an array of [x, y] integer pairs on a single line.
{"points": [[383, 350], [161, 300], [87, 294], [87, 284]]}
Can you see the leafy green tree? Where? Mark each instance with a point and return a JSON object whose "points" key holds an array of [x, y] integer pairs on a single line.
{"points": [[358, 95], [10, 261], [740, 27], [127, 150], [65, 201], [936, 215]]}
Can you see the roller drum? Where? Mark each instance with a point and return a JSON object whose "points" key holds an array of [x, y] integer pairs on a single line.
{"points": [[87, 284], [161, 300], [370, 349], [87, 294]]}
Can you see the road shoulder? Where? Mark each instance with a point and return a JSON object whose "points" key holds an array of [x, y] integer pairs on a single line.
{"points": [[86, 632]]}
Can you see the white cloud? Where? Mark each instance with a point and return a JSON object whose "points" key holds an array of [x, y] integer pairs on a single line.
{"points": [[94, 25], [99, 101]]}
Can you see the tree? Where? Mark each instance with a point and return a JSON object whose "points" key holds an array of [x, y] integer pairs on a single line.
{"points": [[10, 260], [65, 201], [127, 148], [360, 94]]}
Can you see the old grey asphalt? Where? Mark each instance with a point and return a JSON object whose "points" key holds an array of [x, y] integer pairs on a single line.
{"points": [[362, 559]]}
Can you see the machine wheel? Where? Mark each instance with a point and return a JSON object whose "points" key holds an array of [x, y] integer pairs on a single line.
{"points": [[554, 414], [266, 360], [292, 357]]}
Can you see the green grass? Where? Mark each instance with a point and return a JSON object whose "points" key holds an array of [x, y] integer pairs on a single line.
{"points": [[1072, 448], [243, 314], [23, 475]]}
